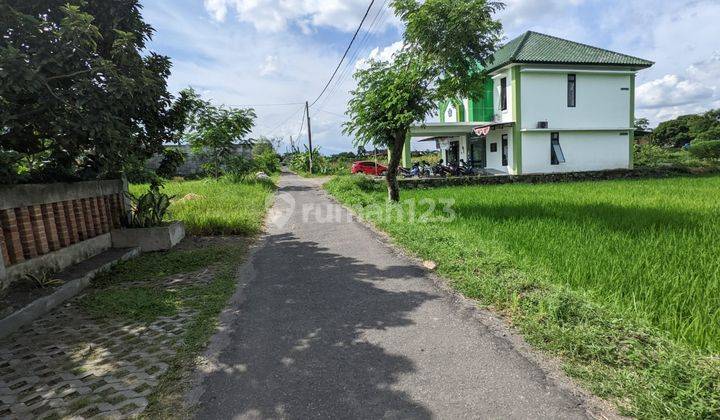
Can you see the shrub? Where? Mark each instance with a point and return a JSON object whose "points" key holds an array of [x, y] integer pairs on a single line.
{"points": [[137, 173], [708, 150], [148, 210], [267, 161], [650, 155], [238, 168], [9, 167], [172, 159]]}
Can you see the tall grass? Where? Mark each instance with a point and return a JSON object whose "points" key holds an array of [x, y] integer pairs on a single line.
{"points": [[217, 207], [621, 278]]}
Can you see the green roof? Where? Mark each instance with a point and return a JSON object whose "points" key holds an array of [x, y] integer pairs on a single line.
{"points": [[534, 47]]}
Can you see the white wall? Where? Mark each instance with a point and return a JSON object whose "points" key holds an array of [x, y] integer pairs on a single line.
{"points": [[494, 159], [584, 151], [507, 115], [600, 100]]}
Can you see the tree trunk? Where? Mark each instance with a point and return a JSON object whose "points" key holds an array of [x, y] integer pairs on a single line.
{"points": [[396, 150]]}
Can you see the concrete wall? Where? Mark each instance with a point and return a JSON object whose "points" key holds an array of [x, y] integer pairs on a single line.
{"points": [[583, 150], [602, 99], [52, 226], [494, 159], [193, 162]]}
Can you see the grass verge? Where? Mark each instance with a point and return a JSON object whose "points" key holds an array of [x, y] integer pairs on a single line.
{"points": [[216, 207], [616, 278]]}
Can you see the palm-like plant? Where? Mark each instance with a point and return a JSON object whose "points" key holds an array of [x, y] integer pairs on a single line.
{"points": [[149, 209]]}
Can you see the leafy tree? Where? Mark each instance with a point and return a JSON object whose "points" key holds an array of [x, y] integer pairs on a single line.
{"points": [[708, 150], [444, 41], [80, 94], [265, 155], [687, 128], [216, 132], [673, 133], [172, 160], [708, 127], [642, 124]]}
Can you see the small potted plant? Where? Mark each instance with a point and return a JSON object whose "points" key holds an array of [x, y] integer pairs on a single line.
{"points": [[145, 227]]}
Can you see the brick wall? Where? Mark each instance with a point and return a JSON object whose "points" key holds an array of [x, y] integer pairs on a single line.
{"points": [[39, 219]]}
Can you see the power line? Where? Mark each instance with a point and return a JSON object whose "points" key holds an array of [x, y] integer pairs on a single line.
{"points": [[346, 52], [349, 64], [286, 120], [331, 113], [302, 124], [257, 105]]}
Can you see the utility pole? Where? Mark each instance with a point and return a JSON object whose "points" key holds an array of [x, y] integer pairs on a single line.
{"points": [[307, 112]]}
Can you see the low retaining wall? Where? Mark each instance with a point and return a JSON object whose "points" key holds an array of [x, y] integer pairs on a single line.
{"points": [[52, 226], [411, 183]]}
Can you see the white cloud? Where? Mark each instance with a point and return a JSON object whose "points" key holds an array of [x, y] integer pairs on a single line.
{"points": [[278, 15], [270, 66], [217, 8], [671, 90], [385, 54], [542, 16]]}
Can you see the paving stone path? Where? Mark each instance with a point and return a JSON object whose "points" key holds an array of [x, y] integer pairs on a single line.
{"points": [[68, 364]]}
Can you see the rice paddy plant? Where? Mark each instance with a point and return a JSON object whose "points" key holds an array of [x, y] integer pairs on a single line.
{"points": [[621, 279]]}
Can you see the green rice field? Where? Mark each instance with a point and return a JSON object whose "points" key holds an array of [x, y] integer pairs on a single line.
{"points": [[587, 270]]}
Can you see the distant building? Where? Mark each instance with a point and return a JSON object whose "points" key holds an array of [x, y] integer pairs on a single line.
{"points": [[550, 105]]}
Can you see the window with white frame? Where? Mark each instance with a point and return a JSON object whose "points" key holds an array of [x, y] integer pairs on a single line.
{"points": [[556, 153]]}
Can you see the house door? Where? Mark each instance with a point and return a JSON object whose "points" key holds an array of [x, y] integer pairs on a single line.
{"points": [[477, 157], [453, 154]]}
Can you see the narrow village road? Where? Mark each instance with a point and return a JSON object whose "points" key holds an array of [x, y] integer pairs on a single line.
{"points": [[332, 323]]}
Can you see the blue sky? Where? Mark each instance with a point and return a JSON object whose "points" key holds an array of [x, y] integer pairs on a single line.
{"points": [[263, 52]]}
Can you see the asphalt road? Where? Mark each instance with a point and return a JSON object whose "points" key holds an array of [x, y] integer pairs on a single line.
{"points": [[333, 323]]}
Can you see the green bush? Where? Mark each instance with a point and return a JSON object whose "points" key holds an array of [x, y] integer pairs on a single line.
{"points": [[148, 209], [267, 161], [708, 150], [172, 160], [239, 168], [9, 168], [650, 155]]}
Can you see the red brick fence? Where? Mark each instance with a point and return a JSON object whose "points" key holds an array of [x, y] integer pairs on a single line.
{"points": [[51, 226]]}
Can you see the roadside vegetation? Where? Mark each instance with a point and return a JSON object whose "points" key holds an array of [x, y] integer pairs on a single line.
{"points": [[620, 279], [217, 207]]}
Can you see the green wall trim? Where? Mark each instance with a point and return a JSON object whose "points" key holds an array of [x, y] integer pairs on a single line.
{"points": [[441, 109], [458, 105], [631, 134], [406, 160], [407, 151], [517, 134]]}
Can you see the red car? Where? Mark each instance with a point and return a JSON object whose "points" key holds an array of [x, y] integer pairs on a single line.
{"points": [[369, 168]]}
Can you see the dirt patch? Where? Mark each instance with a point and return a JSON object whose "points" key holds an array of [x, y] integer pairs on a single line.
{"points": [[21, 293]]}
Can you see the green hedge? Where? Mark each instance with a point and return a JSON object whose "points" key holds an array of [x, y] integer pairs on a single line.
{"points": [[705, 149]]}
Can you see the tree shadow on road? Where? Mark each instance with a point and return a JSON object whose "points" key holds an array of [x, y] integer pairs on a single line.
{"points": [[298, 349]]}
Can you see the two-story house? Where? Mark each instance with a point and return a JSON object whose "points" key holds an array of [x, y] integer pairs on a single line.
{"points": [[549, 105]]}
